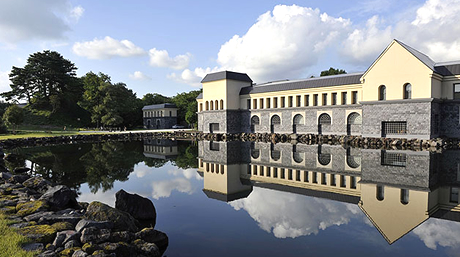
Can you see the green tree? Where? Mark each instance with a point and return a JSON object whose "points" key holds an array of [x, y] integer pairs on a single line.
{"points": [[332, 71], [46, 74], [150, 99], [186, 103], [13, 116], [94, 86]]}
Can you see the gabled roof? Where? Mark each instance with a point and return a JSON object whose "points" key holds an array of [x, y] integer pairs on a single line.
{"points": [[200, 96], [226, 75], [327, 81], [159, 106], [419, 55], [448, 68]]}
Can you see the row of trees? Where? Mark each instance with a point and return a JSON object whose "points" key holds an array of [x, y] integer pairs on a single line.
{"points": [[48, 82]]}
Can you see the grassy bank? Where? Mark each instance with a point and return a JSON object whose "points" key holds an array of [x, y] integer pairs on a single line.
{"points": [[10, 241], [25, 134]]}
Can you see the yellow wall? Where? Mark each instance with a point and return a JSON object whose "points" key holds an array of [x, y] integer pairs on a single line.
{"points": [[226, 90], [392, 218], [394, 68], [447, 85]]}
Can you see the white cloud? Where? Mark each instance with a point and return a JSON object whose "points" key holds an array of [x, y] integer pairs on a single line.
{"points": [[77, 12], [28, 20], [188, 173], [137, 75], [433, 29], [164, 188], [107, 197], [192, 77], [4, 81], [290, 215], [436, 232], [160, 58], [107, 48]]}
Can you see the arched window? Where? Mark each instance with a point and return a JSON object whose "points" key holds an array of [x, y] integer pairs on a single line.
{"points": [[221, 104], [297, 157], [324, 158], [207, 106], [298, 119], [275, 154], [382, 93], [324, 119], [276, 120], [404, 196], [380, 193], [407, 91], [354, 119], [255, 153], [353, 161], [217, 105], [255, 120], [212, 105]]}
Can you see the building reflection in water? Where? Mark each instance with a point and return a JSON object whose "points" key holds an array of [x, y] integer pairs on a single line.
{"points": [[163, 149], [396, 190]]}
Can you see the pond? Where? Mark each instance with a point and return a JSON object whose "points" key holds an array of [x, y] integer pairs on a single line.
{"points": [[261, 199]]}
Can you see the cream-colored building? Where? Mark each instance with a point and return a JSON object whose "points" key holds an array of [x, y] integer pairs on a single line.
{"points": [[160, 116], [403, 93]]}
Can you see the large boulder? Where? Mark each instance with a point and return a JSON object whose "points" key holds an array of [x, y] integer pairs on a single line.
{"points": [[37, 183], [101, 212], [151, 235], [60, 197], [139, 207]]}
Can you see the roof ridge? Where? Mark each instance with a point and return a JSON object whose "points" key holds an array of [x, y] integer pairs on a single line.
{"points": [[308, 79]]}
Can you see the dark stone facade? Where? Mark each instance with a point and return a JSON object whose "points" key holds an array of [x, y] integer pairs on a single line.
{"points": [[230, 121], [159, 122]]}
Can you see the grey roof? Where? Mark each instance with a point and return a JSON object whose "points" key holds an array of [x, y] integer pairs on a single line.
{"points": [[448, 68], [226, 75], [200, 96], [159, 106], [421, 56], [327, 81]]}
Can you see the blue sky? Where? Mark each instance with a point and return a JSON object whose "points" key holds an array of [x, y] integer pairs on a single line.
{"points": [[166, 47]]}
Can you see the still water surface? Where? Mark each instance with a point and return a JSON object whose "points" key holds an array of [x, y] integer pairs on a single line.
{"points": [[260, 199]]}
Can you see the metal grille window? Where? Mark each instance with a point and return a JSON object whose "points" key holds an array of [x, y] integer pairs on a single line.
{"points": [[276, 155], [255, 120], [354, 119], [324, 119], [324, 158], [276, 120], [393, 159], [353, 161], [255, 153], [298, 119], [394, 127], [297, 157]]}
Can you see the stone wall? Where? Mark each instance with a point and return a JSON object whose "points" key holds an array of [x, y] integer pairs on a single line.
{"points": [[230, 121], [310, 114], [234, 152], [449, 123], [160, 122], [416, 112]]}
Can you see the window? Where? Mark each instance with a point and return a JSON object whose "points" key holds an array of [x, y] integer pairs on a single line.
{"points": [[214, 146], [323, 179], [454, 194], [407, 91], [343, 181], [315, 100], [297, 175], [333, 182], [255, 153], [170, 113], [354, 97], [268, 171], [382, 93], [249, 170], [221, 104], [334, 99], [298, 119], [217, 105], [261, 170], [289, 174], [249, 103], [315, 178], [275, 102], [254, 171], [298, 100], [297, 157], [344, 98], [254, 104], [353, 182], [394, 127], [212, 105], [275, 172], [380, 194], [282, 101], [275, 120], [275, 154], [213, 127], [324, 99], [305, 176], [324, 119], [261, 106], [354, 119], [201, 107], [290, 101], [268, 102], [306, 100], [393, 159], [404, 196], [456, 91], [324, 158], [282, 174], [255, 120]]}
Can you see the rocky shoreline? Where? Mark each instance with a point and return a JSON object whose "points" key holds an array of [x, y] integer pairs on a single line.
{"points": [[50, 216], [311, 139]]}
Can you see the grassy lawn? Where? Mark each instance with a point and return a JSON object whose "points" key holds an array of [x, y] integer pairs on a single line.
{"points": [[10, 241], [25, 134]]}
